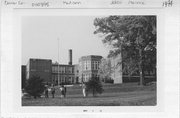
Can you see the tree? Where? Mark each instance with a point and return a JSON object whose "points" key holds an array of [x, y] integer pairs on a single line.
{"points": [[35, 86], [94, 85], [105, 69], [132, 36]]}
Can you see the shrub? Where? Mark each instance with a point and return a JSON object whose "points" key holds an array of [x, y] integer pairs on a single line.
{"points": [[35, 86], [94, 85]]}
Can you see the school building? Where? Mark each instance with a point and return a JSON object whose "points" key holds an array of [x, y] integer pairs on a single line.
{"points": [[40, 68], [56, 73], [63, 74], [88, 67]]}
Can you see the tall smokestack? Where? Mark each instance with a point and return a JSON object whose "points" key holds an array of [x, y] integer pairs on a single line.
{"points": [[70, 56]]}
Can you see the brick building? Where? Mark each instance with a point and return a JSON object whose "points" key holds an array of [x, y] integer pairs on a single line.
{"points": [[70, 74], [63, 74], [51, 72], [56, 73], [39, 67]]}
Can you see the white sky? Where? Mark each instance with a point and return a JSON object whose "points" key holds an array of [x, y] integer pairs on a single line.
{"points": [[40, 34]]}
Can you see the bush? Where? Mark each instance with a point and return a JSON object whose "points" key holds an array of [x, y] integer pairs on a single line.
{"points": [[94, 85], [35, 86]]}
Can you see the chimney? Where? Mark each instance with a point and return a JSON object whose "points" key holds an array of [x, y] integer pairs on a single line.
{"points": [[70, 56]]}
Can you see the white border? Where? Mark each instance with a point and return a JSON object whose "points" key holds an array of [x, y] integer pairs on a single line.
{"points": [[167, 91]]}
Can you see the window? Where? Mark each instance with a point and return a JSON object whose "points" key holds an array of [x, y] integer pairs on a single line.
{"points": [[63, 69], [69, 80], [60, 69], [95, 65], [63, 79], [56, 68], [72, 70], [98, 63], [69, 69], [85, 65], [72, 80], [89, 65], [92, 65]]}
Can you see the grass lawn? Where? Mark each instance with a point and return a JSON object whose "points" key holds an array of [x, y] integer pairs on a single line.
{"points": [[114, 95]]}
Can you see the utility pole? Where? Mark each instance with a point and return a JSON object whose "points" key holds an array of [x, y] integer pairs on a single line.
{"points": [[58, 61]]}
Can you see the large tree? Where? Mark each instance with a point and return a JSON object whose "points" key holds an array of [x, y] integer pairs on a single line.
{"points": [[132, 36]]}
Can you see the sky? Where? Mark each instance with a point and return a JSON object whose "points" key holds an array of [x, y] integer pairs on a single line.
{"points": [[40, 38]]}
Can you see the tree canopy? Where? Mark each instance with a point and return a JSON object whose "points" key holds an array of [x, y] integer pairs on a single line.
{"points": [[132, 36]]}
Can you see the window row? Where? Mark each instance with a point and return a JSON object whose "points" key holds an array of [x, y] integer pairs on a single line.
{"points": [[62, 69], [90, 65]]}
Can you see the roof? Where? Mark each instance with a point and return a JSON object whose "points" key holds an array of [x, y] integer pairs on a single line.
{"points": [[91, 56]]}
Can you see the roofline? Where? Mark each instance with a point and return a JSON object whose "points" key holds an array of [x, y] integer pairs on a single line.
{"points": [[53, 64], [39, 59], [92, 56]]}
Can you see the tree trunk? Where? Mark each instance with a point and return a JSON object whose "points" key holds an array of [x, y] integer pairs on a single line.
{"points": [[141, 72]]}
